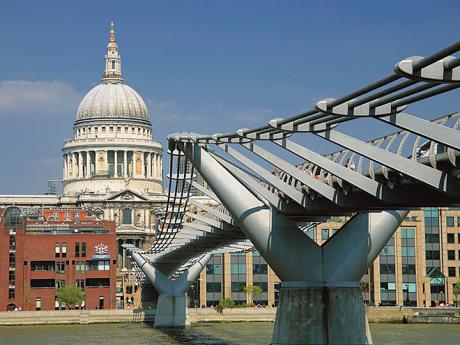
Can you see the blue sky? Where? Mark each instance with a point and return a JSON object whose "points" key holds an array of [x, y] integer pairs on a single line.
{"points": [[205, 66]]}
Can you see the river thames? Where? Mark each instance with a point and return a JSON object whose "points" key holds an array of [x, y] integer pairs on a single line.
{"points": [[237, 333]]}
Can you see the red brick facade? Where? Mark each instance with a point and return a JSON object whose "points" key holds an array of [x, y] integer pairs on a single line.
{"points": [[37, 256]]}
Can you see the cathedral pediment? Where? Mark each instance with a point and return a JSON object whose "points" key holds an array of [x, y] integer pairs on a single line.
{"points": [[127, 195]]}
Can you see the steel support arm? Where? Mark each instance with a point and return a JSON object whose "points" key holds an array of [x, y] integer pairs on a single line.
{"points": [[291, 254]]}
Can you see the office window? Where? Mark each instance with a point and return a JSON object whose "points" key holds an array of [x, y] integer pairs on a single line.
{"points": [[238, 268], [57, 250], [103, 265], [388, 250], [80, 283], [80, 266], [324, 234], [238, 286], [64, 249], [83, 249], [451, 271], [387, 269], [37, 266], [407, 251], [407, 233], [262, 285], [213, 269], [408, 269], [77, 249], [59, 283], [213, 287], [259, 269], [432, 254], [111, 129], [431, 238], [60, 266], [451, 255], [450, 238], [42, 283], [458, 221], [450, 221]]}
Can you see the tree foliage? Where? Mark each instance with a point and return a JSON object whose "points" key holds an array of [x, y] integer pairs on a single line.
{"points": [[70, 295], [253, 290], [225, 303], [456, 290]]}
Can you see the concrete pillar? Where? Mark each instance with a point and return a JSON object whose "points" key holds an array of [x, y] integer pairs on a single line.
{"points": [[125, 163], [335, 315], [172, 305], [115, 163]]}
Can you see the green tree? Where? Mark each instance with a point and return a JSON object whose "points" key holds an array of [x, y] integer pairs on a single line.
{"points": [[254, 291], [225, 303], [70, 296], [456, 290]]}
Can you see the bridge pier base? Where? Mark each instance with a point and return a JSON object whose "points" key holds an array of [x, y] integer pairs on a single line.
{"points": [[171, 311], [171, 308], [309, 313]]}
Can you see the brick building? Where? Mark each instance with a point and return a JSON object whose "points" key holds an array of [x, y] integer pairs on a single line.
{"points": [[38, 256]]}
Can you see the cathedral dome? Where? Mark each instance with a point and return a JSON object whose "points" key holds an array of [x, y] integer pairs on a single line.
{"points": [[112, 100]]}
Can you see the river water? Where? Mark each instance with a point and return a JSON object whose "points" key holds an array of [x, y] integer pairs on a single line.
{"points": [[237, 333]]}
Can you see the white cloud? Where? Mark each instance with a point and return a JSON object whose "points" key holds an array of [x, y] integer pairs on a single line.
{"points": [[37, 97]]}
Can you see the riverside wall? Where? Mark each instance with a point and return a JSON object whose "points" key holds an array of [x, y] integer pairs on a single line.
{"points": [[374, 314], [76, 317]]}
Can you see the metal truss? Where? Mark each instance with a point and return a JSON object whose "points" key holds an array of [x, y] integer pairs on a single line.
{"points": [[415, 166]]}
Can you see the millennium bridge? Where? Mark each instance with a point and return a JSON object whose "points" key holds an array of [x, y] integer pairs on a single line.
{"points": [[263, 201]]}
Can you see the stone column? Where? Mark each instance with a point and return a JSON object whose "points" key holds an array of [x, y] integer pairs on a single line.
{"points": [[80, 164], [115, 163], [149, 165], [74, 165], [88, 164], [155, 168], [160, 164], [106, 159], [64, 174], [142, 164], [125, 163]]}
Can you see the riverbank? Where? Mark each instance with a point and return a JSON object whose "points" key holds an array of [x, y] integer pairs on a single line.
{"points": [[374, 314]]}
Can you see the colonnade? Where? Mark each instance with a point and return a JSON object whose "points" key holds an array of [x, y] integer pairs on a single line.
{"points": [[114, 163]]}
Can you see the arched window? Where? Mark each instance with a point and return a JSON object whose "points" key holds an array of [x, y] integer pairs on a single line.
{"points": [[127, 216], [113, 64], [12, 216]]}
